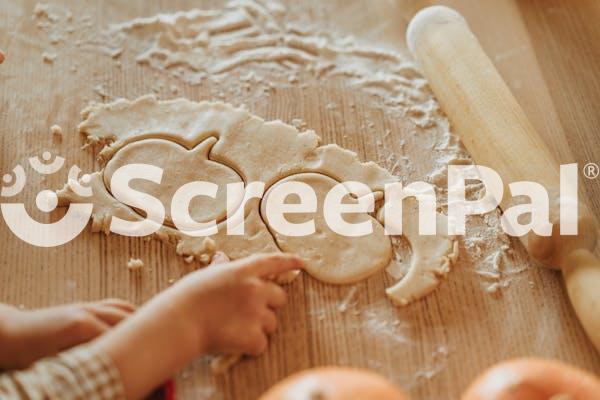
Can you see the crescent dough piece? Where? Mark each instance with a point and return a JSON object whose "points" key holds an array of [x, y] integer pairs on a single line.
{"points": [[432, 256], [331, 257]]}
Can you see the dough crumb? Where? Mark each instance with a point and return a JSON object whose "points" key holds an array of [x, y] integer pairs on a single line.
{"points": [[496, 287], [56, 131], [41, 10], [116, 53], [135, 264], [100, 90], [209, 245], [48, 58], [299, 124], [221, 364], [488, 274], [204, 259], [202, 252], [493, 288]]}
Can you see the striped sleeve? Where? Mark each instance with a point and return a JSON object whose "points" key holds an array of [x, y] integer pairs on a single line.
{"points": [[78, 373]]}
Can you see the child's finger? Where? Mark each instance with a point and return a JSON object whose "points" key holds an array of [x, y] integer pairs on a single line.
{"points": [[86, 329], [257, 342], [109, 315], [276, 296], [118, 303], [269, 322], [271, 264]]}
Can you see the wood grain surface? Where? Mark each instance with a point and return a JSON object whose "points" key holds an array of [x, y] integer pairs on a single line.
{"points": [[548, 51]]}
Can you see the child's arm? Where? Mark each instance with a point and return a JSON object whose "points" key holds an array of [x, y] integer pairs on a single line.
{"points": [[228, 308], [28, 335]]}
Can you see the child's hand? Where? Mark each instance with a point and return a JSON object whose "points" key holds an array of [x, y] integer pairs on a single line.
{"points": [[28, 335], [225, 308], [234, 303]]}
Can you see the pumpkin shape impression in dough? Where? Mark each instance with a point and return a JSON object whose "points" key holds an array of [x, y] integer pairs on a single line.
{"points": [[180, 167]]}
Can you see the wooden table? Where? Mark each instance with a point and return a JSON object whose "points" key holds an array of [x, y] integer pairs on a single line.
{"points": [[547, 50]]}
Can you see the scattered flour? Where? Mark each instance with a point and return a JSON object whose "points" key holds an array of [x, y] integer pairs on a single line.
{"points": [[437, 362], [59, 25], [346, 302], [490, 252], [261, 44], [377, 319]]}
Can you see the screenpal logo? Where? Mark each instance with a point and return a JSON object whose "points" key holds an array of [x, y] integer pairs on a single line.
{"points": [[342, 200], [28, 229]]}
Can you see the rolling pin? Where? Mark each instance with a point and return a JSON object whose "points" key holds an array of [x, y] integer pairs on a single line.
{"points": [[497, 134]]}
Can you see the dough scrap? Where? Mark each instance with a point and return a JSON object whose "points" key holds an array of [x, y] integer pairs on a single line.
{"points": [[244, 147], [56, 131], [432, 256], [135, 264]]}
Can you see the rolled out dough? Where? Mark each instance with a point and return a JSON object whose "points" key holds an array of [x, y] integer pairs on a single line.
{"points": [[219, 143], [191, 165]]}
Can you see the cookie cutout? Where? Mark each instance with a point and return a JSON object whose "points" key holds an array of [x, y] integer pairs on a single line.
{"points": [[334, 258], [191, 165]]}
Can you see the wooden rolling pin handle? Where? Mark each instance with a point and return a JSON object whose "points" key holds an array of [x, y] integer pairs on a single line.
{"points": [[497, 133], [581, 271]]}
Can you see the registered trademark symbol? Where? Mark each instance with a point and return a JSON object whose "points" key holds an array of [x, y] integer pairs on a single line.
{"points": [[591, 170]]}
